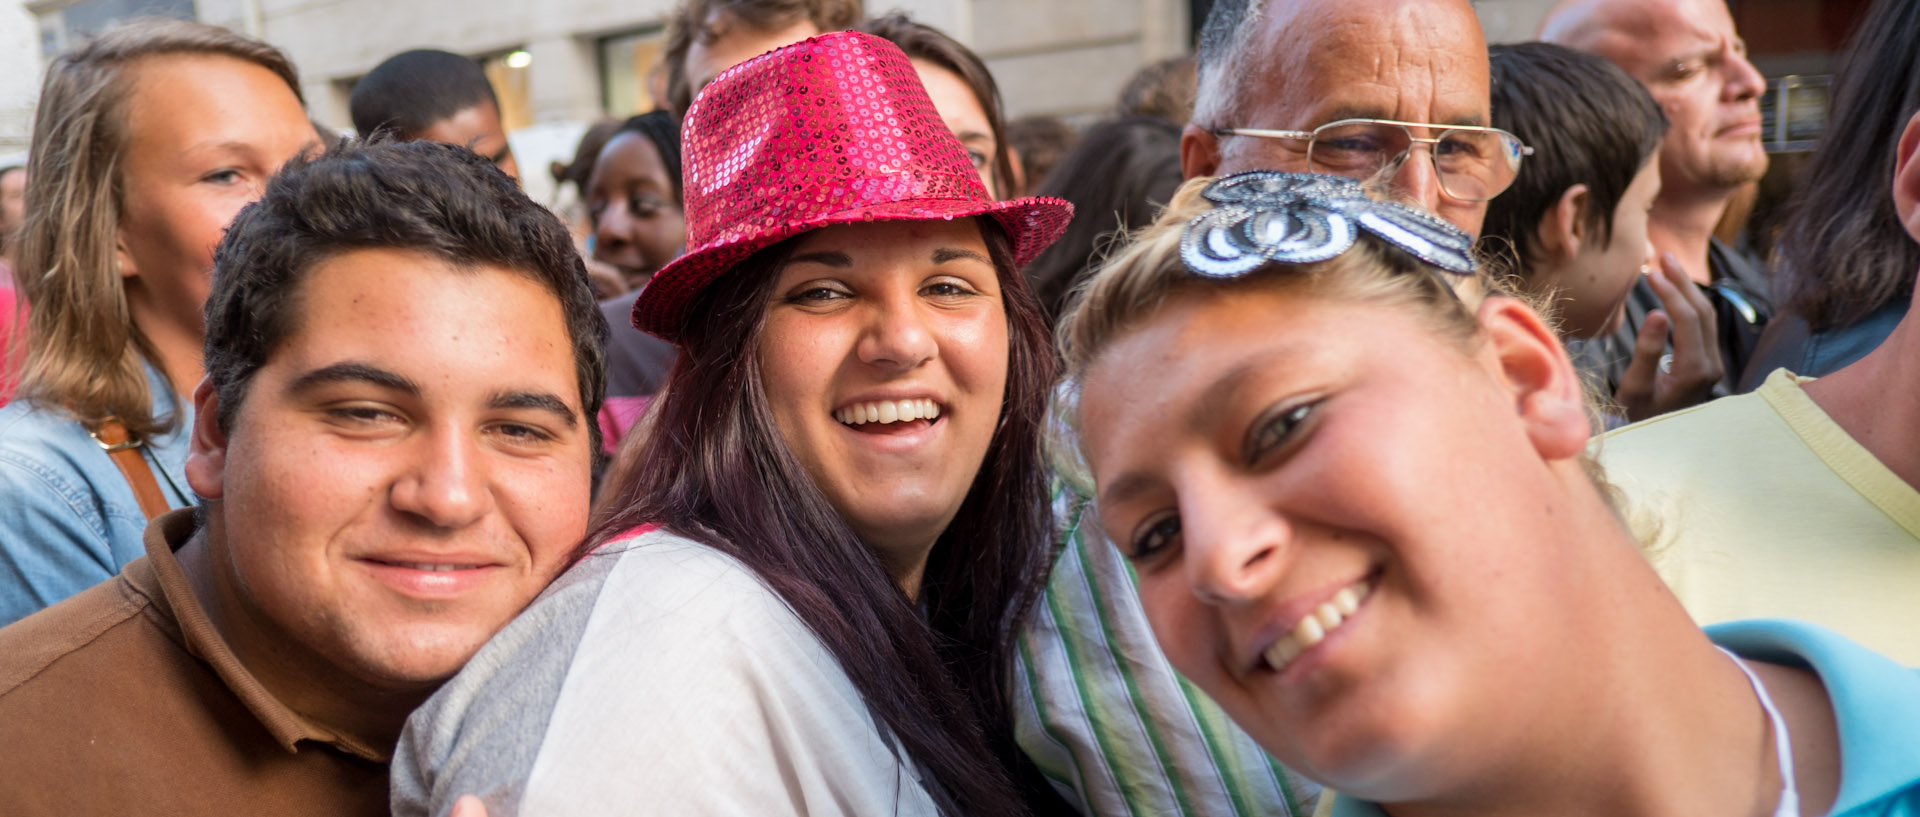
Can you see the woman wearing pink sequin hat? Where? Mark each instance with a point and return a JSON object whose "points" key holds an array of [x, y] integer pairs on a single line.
{"points": [[805, 601]]}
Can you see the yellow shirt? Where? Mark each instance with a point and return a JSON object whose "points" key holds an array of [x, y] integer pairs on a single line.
{"points": [[1760, 506]]}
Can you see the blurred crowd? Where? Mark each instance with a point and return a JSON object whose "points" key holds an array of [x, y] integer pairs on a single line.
{"points": [[1355, 419]]}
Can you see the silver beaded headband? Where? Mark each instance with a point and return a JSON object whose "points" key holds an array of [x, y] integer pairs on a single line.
{"points": [[1302, 218]]}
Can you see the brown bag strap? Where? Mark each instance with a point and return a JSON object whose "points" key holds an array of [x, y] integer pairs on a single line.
{"points": [[125, 452]]}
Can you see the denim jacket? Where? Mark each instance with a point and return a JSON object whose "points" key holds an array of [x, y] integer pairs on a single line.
{"points": [[68, 518]]}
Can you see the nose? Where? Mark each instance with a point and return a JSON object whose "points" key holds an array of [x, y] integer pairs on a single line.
{"points": [[1744, 81], [612, 234], [1416, 179], [897, 334], [1233, 546], [444, 485]]}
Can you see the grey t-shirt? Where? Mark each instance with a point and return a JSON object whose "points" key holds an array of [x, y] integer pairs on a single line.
{"points": [[658, 676]]}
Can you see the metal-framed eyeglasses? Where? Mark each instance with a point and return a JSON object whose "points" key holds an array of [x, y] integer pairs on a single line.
{"points": [[1473, 163]]}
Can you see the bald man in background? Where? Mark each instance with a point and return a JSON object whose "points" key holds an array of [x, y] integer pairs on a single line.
{"points": [[1693, 62]]}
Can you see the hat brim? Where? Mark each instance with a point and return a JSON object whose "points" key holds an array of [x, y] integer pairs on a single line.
{"points": [[1031, 224]]}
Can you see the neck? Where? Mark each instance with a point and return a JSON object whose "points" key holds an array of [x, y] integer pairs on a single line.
{"points": [[179, 346], [1682, 223], [1874, 399], [299, 678], [1640, 715]]}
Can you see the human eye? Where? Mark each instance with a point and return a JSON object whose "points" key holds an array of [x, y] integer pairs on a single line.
{"points": [[1686, 69], [224, 176], [522, 434], [818, 292], [948, 288], [361, 416], [1464, 145], [644, 206], [978, 158], [1157, 536], [1276, 430]]}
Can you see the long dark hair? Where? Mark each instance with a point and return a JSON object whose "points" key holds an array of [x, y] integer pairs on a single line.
{"points": [[1844, 253], [714, 468]]}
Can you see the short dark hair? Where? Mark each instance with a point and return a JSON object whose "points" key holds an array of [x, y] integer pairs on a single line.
{"points": [[424, 196], [688, 23], [414, 89], [1589, 123]]}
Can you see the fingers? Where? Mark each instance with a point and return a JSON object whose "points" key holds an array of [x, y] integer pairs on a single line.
{"points": [[1636, 392], [468, 806], [1696, 336]]}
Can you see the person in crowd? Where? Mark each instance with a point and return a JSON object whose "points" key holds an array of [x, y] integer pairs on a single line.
{"points": [[1845, 262], [1163, 88], [1290, 492], [1038, 143], [634, 200], [808, 598], [437, 97], [1118, 177], [1576, 217], [963, 93], [392, 445], [146, 142], [705, 37], [1799, 499], [1688, 55], [1354, 88]]}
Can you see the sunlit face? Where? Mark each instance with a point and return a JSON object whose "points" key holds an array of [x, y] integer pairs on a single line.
{"points": [[1695, 65], [478, 129], [1293, 458], [638, 225], [1593, 288], [964, 114], [1408, 62], [407, 471], [204, 133], [728, 41], [884, 358]]}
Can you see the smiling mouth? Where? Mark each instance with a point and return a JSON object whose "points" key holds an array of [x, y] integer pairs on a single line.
{"points": [[887, 411], [430, 568], [1315, 626]]}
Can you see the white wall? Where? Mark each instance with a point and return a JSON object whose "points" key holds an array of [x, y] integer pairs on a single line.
{"points": [[19, 78]]}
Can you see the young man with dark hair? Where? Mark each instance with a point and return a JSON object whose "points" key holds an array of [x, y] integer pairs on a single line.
{"points": [[705, 37], [391, 447], [1576, 216], [435, 96]]}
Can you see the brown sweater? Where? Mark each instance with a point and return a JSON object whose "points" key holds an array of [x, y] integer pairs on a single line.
{"points": [[123, 700]]}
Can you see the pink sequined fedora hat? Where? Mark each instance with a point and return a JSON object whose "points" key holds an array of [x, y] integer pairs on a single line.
{"points": [[832, 130]]}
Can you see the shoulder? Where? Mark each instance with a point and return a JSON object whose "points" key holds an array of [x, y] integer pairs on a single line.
{"points": [[67, 635], [1876, 706]]}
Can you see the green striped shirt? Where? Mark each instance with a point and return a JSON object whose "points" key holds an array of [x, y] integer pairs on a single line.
{"points": [[1105, 717]]}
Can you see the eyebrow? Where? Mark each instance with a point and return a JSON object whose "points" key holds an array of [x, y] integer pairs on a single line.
{"points": [[351, 372], [537, 401], [1357, 112], [945, 254]]}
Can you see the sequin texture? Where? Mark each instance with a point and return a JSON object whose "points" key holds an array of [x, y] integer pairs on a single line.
{"points": [[831, 130]]}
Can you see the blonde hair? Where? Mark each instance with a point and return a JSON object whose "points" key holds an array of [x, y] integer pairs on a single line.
{"points": [[1130, 289], [84, 355]]}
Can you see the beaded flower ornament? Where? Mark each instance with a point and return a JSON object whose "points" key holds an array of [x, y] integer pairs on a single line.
{"points": [[1264, 216]]}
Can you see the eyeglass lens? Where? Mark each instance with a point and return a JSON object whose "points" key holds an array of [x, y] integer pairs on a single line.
{"points": [[1472, 165]]}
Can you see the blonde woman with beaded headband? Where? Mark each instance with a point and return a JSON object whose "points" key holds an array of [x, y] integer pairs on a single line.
{"points": [[147, 141], [1355, 497]]}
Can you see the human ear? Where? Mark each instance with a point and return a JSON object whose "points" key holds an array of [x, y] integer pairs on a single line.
{"points": [[207, 448], [1199, 151], [1534, 365], [1906, 178], [1563, 227], [127, 268]]}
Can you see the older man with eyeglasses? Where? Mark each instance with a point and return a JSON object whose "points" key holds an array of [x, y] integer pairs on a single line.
{"points": [[1388, 90]]}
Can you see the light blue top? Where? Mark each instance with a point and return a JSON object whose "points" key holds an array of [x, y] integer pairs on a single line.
{"points": [[68, 518], [1875, 702]]}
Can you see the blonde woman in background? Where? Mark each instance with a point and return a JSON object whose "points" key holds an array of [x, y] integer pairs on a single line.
{"points": [[147, 141]]}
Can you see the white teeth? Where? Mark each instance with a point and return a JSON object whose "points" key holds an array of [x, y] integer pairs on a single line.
{"points": [[1314, 627], [427, 567], [888, 411]]}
